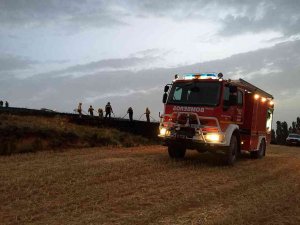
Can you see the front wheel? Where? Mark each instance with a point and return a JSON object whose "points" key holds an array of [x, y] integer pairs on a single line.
{"points": [[176, 152], [232, 151]]}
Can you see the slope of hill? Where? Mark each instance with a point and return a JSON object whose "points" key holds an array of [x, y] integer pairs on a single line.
{"points": [[19, 134]]}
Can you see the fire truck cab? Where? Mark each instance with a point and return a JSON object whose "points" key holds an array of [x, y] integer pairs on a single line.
{"points": [[203, 111]]}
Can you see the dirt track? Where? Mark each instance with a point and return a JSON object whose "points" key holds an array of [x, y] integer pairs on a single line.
{"points": [[143, 186]]}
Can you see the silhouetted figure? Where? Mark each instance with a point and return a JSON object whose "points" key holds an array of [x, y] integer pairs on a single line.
{"points": [[108, 110], [91, 110], [130, 113], [100, 112], [6, 104], [1, 103], [79, 109], [147, 115]]}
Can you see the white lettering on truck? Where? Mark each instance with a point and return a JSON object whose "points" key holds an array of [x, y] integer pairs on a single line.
{"points": [[188, 109]]}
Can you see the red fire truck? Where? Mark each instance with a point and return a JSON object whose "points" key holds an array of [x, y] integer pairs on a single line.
{"points": [[203, 111]]}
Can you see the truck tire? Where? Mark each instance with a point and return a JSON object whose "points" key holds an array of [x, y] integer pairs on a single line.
{"points": [[261, 152], [232, 151], [176, 152]]}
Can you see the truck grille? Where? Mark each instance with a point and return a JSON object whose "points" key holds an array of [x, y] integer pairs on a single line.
{"points": [[183, 118], [187, 131]]}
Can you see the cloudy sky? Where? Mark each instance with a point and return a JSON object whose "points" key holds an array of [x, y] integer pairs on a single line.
{"points": [[55, 53]]}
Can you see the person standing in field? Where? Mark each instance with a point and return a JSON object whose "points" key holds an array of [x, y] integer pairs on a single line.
{"points": [[79, 109], [91, 110], [100, 112], [108, 110], [147, 115], [6, 104], [1, 103], [130, 113]]}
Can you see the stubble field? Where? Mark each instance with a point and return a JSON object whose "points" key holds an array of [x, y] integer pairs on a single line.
{"points": [[141, 185]]}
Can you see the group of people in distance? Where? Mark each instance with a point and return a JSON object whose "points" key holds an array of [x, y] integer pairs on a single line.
{"points": [[109, 111], [6, 104], [130, 113]]}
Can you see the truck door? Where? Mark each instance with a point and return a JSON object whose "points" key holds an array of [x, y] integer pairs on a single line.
{"points": [[233, 104], [229, 104], [239, 114]]}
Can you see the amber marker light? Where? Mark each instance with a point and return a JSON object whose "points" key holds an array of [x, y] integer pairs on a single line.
{"points": [[256, 96], [271, 103], [263, 99]]}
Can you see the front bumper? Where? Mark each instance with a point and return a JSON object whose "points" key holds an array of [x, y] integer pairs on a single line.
{"points": [[293, 142], [197, 141], [190, 129]]}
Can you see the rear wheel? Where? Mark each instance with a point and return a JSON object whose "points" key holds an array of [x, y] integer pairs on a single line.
{"points": [[261, 151], [232, 151], [176, 152]]}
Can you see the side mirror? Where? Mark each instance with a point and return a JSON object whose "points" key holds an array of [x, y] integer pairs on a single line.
{"points": [[166, 88], [165, 96]]}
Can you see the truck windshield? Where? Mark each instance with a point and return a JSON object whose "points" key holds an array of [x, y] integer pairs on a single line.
{"points": [[195, 93]]}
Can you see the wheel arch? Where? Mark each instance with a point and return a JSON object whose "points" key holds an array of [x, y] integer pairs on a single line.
{"points": [[260, 139], [232, 129]]}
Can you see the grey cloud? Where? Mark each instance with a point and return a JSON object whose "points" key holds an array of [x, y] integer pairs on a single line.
{"points": [[105, 64], [236, 16], [154, 53], [147, 52], [112, 63], [278, 15], [95, 19], [11, 63], [70, 15], [34, 11], [56, 61]]}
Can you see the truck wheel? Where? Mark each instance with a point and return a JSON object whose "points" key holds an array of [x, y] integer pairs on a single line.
{"points": [[176, 152], [232, 151], [261, 152]]}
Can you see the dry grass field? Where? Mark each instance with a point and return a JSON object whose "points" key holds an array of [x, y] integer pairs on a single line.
{"points": [[141, 185], [22, 134]]}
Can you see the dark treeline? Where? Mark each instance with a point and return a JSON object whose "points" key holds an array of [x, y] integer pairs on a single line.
{"points": [[283, 130]]}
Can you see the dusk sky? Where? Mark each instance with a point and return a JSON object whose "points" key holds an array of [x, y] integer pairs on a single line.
{"points": [[56, 53]]}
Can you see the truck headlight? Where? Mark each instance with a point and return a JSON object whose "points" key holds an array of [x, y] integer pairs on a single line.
{"points": [[162, 131], [211, 137]]}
